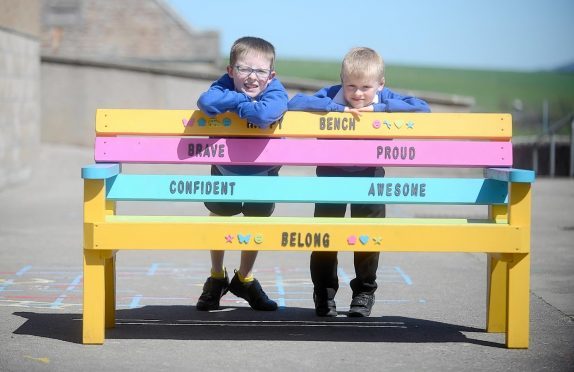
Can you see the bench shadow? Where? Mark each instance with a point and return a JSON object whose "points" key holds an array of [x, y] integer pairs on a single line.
{"points": [[179, 322]]}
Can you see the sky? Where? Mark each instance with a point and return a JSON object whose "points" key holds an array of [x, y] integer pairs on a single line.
{"points": [[518, 35]]}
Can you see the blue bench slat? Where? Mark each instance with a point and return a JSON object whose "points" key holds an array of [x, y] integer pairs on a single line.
{"points": [[510, 175], [100, 171], [307, 189]]}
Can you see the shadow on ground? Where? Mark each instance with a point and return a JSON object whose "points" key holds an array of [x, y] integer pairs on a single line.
{"points": [[242, 323]]}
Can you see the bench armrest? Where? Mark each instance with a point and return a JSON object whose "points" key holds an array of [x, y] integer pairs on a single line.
{"points": [[510, 175], [100, 171]]}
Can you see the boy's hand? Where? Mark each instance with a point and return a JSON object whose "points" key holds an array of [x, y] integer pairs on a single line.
{"points": [[369, 108], [355, 112]]}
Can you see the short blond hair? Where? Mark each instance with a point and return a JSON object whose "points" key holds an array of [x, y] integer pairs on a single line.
{"points": [[250, 44], [363, 62]]}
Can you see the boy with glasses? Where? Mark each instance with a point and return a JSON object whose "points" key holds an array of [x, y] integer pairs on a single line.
{"points": [[362, 90], [249, 89]]}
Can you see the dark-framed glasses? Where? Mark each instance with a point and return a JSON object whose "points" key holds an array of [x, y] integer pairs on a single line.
{"points": [[246, 71]]}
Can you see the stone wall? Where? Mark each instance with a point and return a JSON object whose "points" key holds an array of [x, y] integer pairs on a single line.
{"points": [[73, 90], [19, 88], [139, 30]]}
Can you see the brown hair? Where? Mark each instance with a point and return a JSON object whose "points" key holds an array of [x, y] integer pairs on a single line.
{"points": [[250, 44]]}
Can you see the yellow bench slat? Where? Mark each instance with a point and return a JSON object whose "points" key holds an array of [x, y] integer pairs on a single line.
{"points": [[304, 124], [300, 234]]}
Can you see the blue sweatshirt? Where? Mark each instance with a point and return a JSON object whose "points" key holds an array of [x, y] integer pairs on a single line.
{"points": [[331, 99], [263, 110], [388, 101]]}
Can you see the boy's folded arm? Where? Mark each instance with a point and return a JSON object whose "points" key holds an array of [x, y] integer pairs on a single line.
{"points": [[269, 107], [393, 105], [303, 102], [216, 101], [221, 97], [393, 102]]}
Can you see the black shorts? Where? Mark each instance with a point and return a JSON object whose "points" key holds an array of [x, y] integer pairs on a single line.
{"points": [[234, 208]]}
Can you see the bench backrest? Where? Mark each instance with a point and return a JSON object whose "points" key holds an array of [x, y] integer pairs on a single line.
{"points": [[435, 140]]}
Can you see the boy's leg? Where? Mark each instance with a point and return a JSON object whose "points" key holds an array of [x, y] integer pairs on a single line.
{"points": [[216, 285], [366, 264], [364, 284], [243, 284], [323, 267], [247, 262]]}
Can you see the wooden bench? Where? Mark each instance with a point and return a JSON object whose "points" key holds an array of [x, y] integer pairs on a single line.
{"points": [[382, 139]]}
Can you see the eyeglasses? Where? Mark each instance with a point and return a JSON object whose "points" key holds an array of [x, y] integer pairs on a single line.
{"points": [[246, 71]]}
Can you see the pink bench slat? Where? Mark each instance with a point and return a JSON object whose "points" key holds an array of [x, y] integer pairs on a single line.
{"points": [[302, 151]]}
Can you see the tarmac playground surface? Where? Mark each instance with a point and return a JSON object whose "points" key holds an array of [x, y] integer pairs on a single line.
{"points": [[429, 314]]}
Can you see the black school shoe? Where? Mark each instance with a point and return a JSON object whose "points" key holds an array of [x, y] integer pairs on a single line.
{"points": [[252, 293], [361, 305], [213, 290], [325, 304]]}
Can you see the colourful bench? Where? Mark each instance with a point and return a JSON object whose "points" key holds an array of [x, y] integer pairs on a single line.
{"points": [[418, 140]]}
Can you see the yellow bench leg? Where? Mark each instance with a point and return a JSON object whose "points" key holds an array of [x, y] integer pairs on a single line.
{"points": [[110, 274], [518, 302], [94, 297], [496, 294]]}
